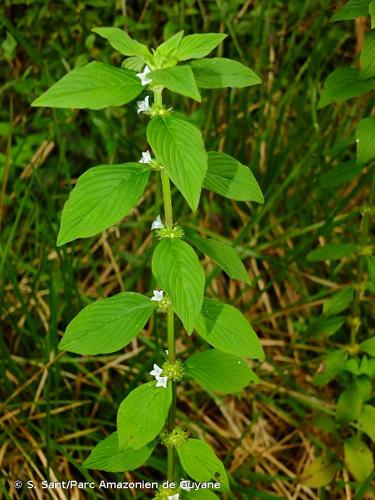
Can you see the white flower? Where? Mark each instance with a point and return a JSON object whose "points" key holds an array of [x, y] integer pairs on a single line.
{"points": [[143, 76], [161, 381], [156, 371], [157, 296], [146, 157], [174, 497], [144, 106], [157, 224]]}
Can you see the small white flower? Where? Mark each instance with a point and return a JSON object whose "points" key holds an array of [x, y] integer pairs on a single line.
{"points": [[157, 296], [174, 497], [156, 372], [143, 76], [146, 157], [157, 224], [144, 106], [161, 381]]}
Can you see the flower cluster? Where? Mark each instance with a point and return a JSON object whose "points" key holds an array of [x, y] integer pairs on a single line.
{"points": [[174, 438], [174, 370]]}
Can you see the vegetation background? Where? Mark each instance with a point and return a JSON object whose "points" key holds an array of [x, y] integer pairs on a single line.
{"points": [[54, 406]]}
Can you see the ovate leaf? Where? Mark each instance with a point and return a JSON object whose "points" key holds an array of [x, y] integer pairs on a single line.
{"points": [[349, 404], [108, 457], [107, 325], [358, 458], [199, 45], [179, 79], [318, 473], [343, 84], [217, 371], [368, 346], [218, 72], [177, 270], [167, 50], [228, 177], [224, 327], [325, 327], [121, 41], [94, 86], [178, 145], [102, 197], [351, 10], [332, 252], [364, 385], [142, 415], [222, 254], [200, 462], [365, 134], [338, 302], [366, 421], [333, 363], [133, 63], [339, 175], [368, 56]]}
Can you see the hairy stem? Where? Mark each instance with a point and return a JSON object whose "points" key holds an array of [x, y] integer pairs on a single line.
{"points": [[168, 211]]}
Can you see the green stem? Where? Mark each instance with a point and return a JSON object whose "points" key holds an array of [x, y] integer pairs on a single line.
{"points": [[167, 199], [365, 226], [168, 210]]}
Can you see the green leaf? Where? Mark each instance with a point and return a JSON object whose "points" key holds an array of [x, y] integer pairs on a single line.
{"points": [[349, 404], [107, 325], [218, 72], [368, 346], [102, 196], [370, 259], [108, 457], [333, 363], [332, 252], [325, 326], [200, 462], [365, 134], [217, 371], [338, 302], [368, 56], [351, 10], [201, 495], [228, 177], [178, 145], [340, 175], [366, 421], [364, 385], [343, 84], [224, 327], [358, 458], [94, 86], [372, 13], [222, 254], [133, 63], [199, 45], [319, 473], [179, 79], [178, 271], [169, 48], [122, 42], [142, 415]]}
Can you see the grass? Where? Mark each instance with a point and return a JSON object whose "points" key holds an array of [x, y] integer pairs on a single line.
{"points": [[56, 406]]}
